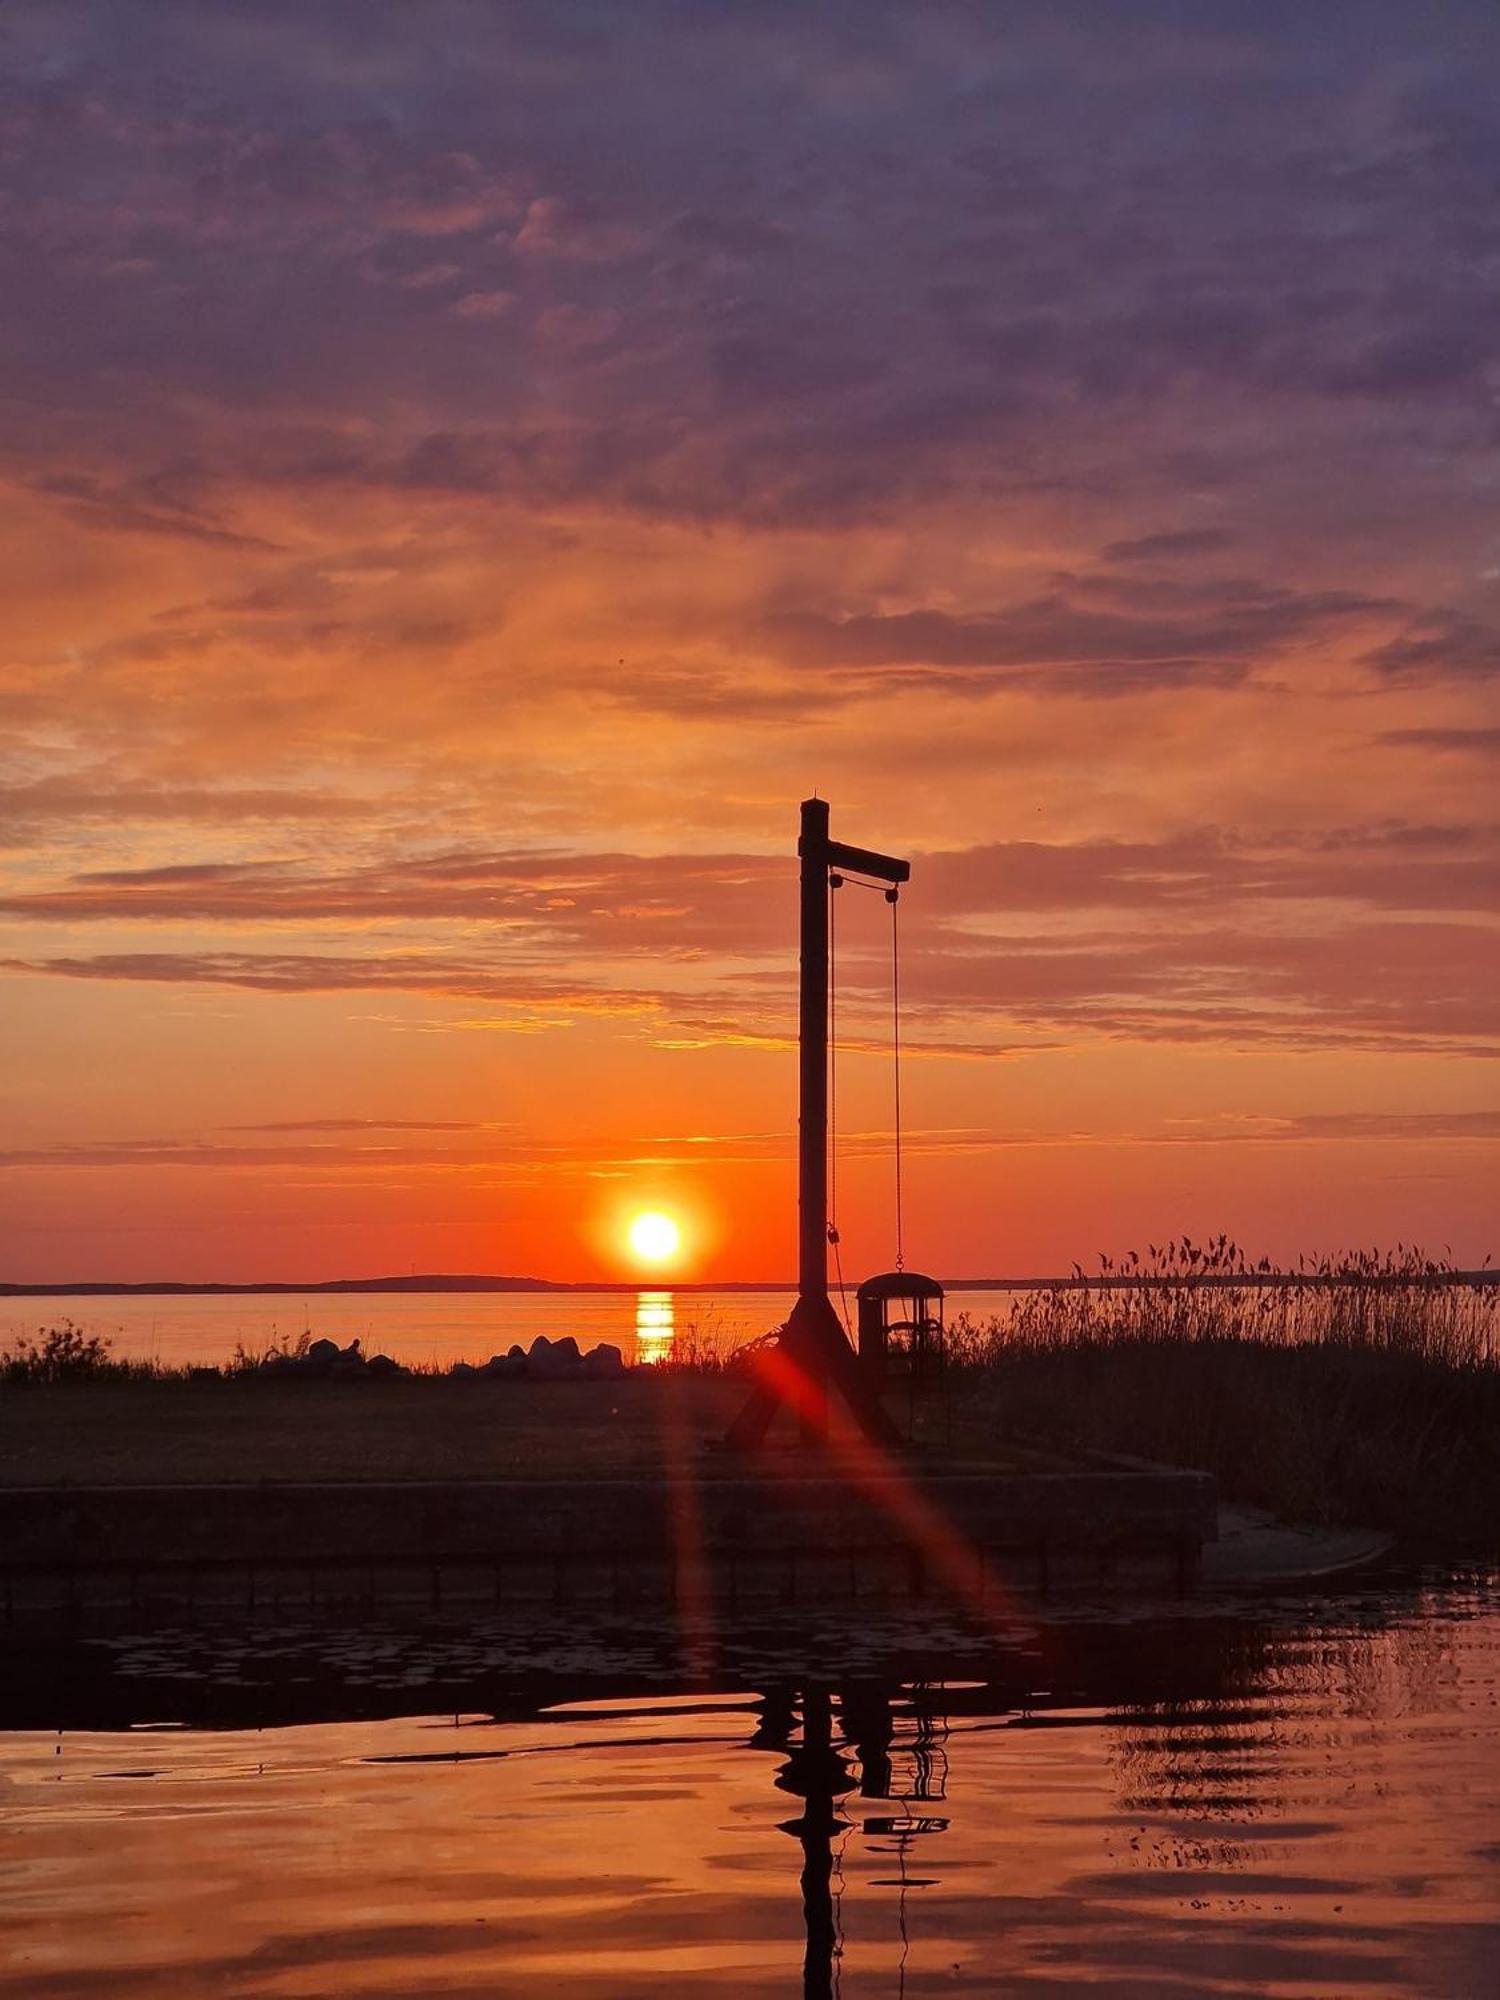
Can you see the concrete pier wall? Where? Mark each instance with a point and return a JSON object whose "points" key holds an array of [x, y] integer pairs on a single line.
{"points": [[723, 1540]]}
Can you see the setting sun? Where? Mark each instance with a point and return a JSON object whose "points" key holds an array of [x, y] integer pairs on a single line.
{"points": [[654, 1237]]}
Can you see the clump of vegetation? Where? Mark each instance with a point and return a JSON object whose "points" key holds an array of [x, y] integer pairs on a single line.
{"points": [[65, 1353], [277, 1352], [1359, 1390], [706, 1344]]}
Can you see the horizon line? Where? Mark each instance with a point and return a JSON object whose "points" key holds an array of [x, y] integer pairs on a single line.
{"points": [[480, 1282]]}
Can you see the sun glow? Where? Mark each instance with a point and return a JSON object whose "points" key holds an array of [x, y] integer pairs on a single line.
{"points": [[654, 1238]]}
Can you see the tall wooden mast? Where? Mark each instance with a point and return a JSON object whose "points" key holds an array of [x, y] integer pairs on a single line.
{"points": [[812, 1056], [814, 1342]]}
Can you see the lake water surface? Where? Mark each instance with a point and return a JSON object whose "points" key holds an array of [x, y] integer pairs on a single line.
{"points": [[1296, 1798], [423, 1326]]}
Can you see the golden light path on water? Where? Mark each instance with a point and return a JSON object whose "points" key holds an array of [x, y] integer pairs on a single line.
{"points": [[655, 1325]]}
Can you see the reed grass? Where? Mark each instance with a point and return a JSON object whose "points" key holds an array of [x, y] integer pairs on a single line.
{"points": [[1360, 1390]]}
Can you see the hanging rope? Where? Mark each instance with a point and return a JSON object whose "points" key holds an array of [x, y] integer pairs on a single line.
{"points": [[835, 883], [894, 900]]}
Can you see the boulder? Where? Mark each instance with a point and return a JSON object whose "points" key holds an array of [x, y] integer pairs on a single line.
{"points": [[384, 1364], [322, 1354], [553, 1360], [604, 1362]]}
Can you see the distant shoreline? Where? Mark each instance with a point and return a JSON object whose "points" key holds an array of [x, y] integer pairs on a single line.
{"points": [[437, 1283]]}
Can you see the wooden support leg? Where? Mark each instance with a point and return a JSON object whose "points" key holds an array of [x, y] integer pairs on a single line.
{"points": [[821, 1363]]}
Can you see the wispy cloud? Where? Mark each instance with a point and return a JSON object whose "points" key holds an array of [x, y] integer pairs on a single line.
{"points": [[461, 485]]}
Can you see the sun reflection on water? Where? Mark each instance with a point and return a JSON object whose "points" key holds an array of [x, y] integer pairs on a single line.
{"points": [[654, 1326]]}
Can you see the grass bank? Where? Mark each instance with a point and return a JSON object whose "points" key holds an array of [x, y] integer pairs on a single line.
{"points": [[1362, 1391]]}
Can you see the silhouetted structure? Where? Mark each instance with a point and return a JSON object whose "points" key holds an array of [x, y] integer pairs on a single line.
{"points": [[814, 1353], [900, 1323]]}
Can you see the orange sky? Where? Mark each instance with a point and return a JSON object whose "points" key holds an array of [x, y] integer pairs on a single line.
{"points": [[462, 486]]}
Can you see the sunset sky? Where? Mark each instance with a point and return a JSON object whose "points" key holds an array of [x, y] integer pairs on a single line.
{"points": [[468, 471]]}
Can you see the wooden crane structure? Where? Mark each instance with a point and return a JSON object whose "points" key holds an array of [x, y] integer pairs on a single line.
{"points": [[816, 1358]]}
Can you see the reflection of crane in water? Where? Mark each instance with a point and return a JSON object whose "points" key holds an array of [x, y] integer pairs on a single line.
{"points": [[818, 1771], [918, 1775]]}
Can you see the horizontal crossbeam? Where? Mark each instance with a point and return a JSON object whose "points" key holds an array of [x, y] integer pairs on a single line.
{"points": [[863, 861]]}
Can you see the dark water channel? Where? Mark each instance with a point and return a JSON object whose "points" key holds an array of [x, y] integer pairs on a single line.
{"points": [[1292, 1797]]}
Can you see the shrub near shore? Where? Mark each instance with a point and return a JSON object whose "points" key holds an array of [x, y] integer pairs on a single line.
{"points": [[1363, 1390], [64, 1354]]}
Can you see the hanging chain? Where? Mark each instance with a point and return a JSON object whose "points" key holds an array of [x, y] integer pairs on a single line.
{"points": [[894, 900]]}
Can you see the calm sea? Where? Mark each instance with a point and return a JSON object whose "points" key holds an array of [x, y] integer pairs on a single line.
{"points": [[427, 1326], [1298, 1798]]}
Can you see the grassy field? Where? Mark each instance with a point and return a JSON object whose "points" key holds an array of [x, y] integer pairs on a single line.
{"points": [[143, 1430], [187, 1431]]}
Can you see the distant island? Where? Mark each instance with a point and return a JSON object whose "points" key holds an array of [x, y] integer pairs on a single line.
{"points": [[431, 1281], [445, 1281], [428, 1281]]}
